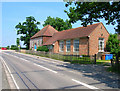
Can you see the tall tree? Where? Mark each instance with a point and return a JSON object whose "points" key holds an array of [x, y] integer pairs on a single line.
{"points": [[58, 23], [113, 44], [18, 42], [89, 12], [27, 29]]}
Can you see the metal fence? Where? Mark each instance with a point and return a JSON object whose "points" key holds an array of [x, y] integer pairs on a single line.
{"points": [[79, 59]]}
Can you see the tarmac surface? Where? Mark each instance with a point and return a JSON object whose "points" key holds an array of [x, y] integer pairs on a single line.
{"points": [[48, 73]]}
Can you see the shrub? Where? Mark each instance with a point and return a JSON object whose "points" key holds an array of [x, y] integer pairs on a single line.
{"points": [[14, 47], [42, 48], [8, 47]]}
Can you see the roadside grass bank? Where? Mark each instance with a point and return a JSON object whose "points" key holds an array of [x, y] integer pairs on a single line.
{"points": [[74, 60]]}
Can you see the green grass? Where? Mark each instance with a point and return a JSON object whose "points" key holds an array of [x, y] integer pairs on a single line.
{"points": [[103, 62]]}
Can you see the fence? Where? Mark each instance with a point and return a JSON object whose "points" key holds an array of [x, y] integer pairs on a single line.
{"points": [[84, 59]]}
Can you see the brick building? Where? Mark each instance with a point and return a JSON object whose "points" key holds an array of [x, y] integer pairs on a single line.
{"points": [[79, 41]]}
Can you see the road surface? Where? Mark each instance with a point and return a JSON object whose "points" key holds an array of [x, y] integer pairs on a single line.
{"points": [[28, 72]]}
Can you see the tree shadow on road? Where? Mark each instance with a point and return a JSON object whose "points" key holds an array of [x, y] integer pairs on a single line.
{"points": [[97, 72]]}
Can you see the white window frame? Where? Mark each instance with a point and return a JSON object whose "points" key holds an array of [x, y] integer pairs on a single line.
{"points": [[74, 42], [101, 47], [68, 43], [61, 44]]}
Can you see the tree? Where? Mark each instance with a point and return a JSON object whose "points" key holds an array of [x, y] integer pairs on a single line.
{"points": [[112, 44], [8, 47], [27, 29], [14, 47], [89, 12], [58, 23], [18, 42]]}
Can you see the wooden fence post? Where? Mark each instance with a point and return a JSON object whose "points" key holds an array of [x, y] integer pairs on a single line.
{"points": [[95, 59]]}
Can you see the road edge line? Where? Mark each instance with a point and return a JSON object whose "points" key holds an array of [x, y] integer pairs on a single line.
{"points": [[9, 75]]}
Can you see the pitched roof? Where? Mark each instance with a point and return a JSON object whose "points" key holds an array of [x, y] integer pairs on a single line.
{"points": [[72, 33], [46, 31]]}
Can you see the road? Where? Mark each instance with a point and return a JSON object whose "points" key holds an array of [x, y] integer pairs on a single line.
{"points": [[28, 72]]}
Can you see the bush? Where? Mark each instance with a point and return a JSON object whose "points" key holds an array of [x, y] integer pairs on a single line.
{"points": [[42, 48], [8, 47], [14, 47]]}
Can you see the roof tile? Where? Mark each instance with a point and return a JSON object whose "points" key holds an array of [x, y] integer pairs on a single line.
{"points": [[72, 33], [46, 31]]}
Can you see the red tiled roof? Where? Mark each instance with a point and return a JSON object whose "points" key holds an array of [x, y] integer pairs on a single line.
{"points": [[72, 33], [46, 31]]}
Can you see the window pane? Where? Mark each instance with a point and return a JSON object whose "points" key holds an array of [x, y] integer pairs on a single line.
{"points": [[68, 43], [76, 45], [101, 44], [61, 45]]}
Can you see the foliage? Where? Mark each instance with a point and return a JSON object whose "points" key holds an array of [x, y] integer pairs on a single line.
{"points": [[27, 29], [14, 47], [18, 42], [42, 48], [89, 12], [8, 47], [113, 44], [58, 23]]}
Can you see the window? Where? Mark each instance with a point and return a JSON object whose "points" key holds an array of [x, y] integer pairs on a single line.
{"points": [[50, 47], [101, 45], [76, 45], [68, 43], [38, 43], [61, 46], [33, 44]]}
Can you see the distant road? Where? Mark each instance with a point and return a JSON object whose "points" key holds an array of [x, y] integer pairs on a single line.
{"points": [[29, 72]]}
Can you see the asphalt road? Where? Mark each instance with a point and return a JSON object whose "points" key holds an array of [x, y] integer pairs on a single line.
{"points": [[38, 73]]}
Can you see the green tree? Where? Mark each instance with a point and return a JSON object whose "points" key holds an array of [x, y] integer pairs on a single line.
{"points": [[8, 47], [89, 12], [27, 29], [58, 23], [18, 42], [14, 47], [113, 44]]}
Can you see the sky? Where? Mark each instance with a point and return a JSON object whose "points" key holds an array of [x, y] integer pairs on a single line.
{"points": [[13, 12]]}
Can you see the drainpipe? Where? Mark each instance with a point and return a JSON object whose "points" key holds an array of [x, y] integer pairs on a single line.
{"points": [[88, 45]]}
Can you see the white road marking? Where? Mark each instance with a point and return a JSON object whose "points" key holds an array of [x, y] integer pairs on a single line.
{"points": [[45, 68], [24, 59], [10, 74], [17, 57], [84, 84], [34, 64]]}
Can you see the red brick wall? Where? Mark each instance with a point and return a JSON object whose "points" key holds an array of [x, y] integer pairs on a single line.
{"points": [[45, 39], [83, 46], [87, 46], [56, 47], [94, 39], [71, 52]]}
